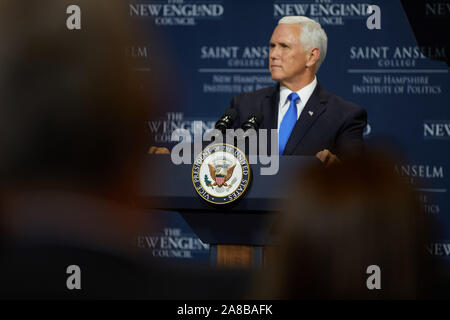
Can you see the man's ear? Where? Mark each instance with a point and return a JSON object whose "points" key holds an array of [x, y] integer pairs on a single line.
{"points": [[312, 57]]}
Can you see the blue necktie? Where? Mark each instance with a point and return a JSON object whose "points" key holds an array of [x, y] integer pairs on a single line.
{"points": [[288, 122]]}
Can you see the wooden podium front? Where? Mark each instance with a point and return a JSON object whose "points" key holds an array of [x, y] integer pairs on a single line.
{"points": [[229, 255], [242, 256]]}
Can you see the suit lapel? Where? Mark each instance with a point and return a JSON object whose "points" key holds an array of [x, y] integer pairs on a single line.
{"points": [[311, 112], [270, 108]]}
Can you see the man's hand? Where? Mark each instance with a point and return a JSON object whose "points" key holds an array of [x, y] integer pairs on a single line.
{"points": [[158, 150], [327, 158]]}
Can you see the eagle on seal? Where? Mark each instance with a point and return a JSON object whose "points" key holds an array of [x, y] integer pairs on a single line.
{"points": [[221, 175]]}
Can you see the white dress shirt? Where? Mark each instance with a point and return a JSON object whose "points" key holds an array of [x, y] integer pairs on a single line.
{"points": [[304, 94]]}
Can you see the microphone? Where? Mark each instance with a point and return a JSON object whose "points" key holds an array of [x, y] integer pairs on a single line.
{"points": [[250, 128], [253, 121], [226, 120]]}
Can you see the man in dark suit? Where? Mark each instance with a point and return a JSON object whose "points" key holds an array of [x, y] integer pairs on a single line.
{"points": [[309, 120]]}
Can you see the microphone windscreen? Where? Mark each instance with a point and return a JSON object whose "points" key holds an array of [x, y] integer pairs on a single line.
{"points": [[230, 112], [259, 117], [226, 120]]}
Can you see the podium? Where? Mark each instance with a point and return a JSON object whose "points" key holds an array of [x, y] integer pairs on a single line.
{"points": [[240, 233]]}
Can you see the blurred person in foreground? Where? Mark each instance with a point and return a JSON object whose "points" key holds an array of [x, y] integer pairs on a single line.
{"points": [[72, 139], [340, 221]]}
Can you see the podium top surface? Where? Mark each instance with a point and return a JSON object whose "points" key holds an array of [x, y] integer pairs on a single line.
{"points": [[167, 186]]}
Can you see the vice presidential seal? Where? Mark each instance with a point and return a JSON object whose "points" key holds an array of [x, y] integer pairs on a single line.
{"points": [[221, 173]]}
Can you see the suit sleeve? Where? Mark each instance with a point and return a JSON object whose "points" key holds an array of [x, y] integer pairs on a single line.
{"points": [[350, 141]]}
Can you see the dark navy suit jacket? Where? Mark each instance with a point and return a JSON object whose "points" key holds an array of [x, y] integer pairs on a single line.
{"points": [[326, 122]]}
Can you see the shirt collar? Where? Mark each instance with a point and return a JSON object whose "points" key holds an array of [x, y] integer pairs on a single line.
{"points": [[304, 93]]}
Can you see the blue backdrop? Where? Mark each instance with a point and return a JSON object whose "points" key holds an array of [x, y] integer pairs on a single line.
{"points": [[219, 48]]}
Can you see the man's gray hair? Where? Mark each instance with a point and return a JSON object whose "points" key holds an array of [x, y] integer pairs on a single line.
{"points": [[311, 36]]}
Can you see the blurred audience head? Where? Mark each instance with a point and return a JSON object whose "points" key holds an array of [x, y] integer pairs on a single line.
{"points": [[72, 138], [343, 219], [73, 114]]}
